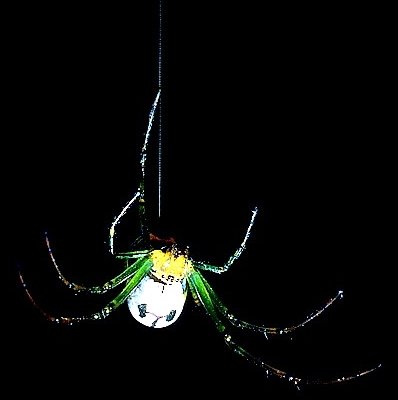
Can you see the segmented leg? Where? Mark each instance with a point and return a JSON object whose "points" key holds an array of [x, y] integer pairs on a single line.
{"points": [[117, 219], [126, 274], [208, 267], [145, 265], [202, 294], [260, 328], [284, 375], [139, 195], [132, 254]]}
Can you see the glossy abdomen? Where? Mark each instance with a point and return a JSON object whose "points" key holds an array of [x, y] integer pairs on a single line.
{"points": [[158, 303]]}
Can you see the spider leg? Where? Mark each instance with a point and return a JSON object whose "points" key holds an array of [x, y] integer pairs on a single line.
{"points": [[139, 195], [144, 266], [208, 267], [132, 254], [117, 219], [202, 294], [260, 328], [126, 274], [284, 375]]}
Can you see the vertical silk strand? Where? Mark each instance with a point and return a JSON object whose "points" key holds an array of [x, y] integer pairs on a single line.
{"points": [[160, 108]]}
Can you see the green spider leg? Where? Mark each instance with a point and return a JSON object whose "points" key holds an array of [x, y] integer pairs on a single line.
{"points": [[207, 299], [260, 328], [144, 232], [142, 267], [126, 274], [140, 194], [208, 267]]}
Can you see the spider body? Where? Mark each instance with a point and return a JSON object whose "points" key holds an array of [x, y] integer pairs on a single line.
{"points": [[155, 283], [159, 298]]}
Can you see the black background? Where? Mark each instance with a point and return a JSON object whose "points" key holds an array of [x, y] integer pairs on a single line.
{"points": [[275, 108]]}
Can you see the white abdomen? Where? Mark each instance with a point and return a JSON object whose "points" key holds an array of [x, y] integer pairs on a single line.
{"points": [[157, 304]]}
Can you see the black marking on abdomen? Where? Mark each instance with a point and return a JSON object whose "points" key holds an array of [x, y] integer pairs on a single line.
{"points": [[171, 315], [143, 313], [142, 310]]}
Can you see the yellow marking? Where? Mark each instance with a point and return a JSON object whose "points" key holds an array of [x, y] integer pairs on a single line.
{"points": [[170, 266]]}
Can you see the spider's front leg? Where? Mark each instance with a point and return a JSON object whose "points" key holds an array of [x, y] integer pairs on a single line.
{"points": [[145, 236], [140, 194], [208, 267], [246, 325]]}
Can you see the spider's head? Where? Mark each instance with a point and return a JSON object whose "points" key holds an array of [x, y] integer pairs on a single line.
{"points": [[177, 252]]}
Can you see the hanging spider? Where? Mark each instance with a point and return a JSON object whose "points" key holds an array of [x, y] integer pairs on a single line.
{"points": [[157, 281]]}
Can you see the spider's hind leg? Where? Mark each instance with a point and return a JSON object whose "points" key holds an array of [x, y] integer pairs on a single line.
{"points": [[205, 297], [260, 328], [142, 265], [297, 381]]}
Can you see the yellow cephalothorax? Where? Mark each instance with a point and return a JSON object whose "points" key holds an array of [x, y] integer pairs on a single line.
{"points": [[170, 265]]}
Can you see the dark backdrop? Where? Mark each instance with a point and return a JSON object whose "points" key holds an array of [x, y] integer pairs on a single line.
{"points": [[275, 108]]}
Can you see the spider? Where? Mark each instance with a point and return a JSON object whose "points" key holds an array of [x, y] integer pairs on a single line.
{"points": [[157, 281]]}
